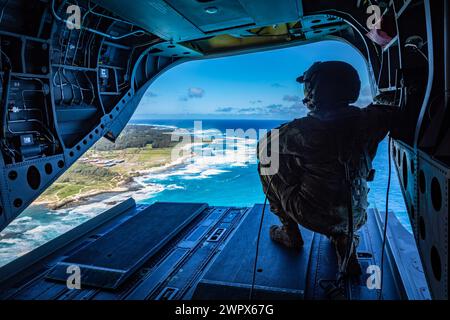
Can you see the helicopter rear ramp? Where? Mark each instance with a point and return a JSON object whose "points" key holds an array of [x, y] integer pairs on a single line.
{"points": [[183, 251]]}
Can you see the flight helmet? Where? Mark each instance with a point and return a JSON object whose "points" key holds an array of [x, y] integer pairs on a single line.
{"points": [[330, 84]]}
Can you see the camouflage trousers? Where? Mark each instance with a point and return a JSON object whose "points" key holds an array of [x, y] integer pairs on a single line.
{"points": [[293, 205]]}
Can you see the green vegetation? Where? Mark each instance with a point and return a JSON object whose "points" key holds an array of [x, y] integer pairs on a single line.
{"points": [[137, 136], [110, 167]]}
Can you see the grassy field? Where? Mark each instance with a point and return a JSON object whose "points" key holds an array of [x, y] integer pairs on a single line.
{"points": [[136, 159], [85, 178]]}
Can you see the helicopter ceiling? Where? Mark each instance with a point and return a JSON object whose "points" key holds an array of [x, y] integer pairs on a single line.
{"points": [[178, 20], [214, 26]]}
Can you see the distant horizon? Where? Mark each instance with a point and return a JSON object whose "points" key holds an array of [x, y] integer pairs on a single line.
{"points": [[201, 117]]}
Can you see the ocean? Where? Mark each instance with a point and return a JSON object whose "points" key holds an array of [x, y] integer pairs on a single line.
{"points": [[219, 179]]}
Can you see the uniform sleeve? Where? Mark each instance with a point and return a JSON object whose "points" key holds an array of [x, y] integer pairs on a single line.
{"points": [[378, 121]]}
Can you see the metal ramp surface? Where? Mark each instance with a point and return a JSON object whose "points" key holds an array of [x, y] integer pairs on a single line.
{"points": [[108, 261], [281, 273]]}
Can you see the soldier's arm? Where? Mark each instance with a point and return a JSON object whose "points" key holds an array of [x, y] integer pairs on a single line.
{"points": [[381, 119]]}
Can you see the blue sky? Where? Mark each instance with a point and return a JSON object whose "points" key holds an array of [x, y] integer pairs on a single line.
{"points": [[251, 86]]}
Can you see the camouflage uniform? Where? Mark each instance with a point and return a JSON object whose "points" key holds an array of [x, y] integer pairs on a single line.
{"points": [[310, 186]]}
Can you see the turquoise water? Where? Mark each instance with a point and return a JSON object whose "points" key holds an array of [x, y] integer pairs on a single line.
{"points": [[229, 183], [217, 179]]}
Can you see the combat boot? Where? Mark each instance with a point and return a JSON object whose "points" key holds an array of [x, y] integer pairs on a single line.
{"points": [[288, 236]]}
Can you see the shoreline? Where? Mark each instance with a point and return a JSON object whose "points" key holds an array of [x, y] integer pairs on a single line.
{"points": [[132, 185]]}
